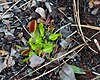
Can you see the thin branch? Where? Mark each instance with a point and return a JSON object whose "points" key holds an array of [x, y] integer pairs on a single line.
{"points": [[94, 34], [71, 35], [62, 27], [79, 24], [6, 3], [87, 26], [17, 72], [25, 4], [91, 27], [96, 73], [92, 49]]}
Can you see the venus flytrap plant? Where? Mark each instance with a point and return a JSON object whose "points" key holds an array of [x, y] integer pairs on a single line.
{"points": [[44, 42]]}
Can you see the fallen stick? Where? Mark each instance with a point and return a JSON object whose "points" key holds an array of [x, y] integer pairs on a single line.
{"points": [[91, 27], [87, 26]]}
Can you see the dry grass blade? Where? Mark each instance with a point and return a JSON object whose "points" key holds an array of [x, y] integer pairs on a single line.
{"points": [[62, 12], [18, 72], [78, 21], [5, 3], [87, 26], [25, 4], [91, 27], [94, 34], [77, 47], [92, 49], [58, 66], [75, 11]]}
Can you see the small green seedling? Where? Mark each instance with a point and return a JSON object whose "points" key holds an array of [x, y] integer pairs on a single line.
{"points": [[42, 42]]}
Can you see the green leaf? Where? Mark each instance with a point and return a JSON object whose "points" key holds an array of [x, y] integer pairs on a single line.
{"points": [[33, 46], [54, 36], [51, 59], [30, 40], [48, 49], [17, 46], [38, 39], [41, 27], [31, 53], [26, 59], [77, 69]]}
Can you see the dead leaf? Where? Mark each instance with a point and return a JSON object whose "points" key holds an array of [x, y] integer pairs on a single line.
{"points": [[36, 60], [2, 52], [25, 52], [33, 3], [91, 4], [40, 11], [51, 28], [96, 2], [67, 73]]}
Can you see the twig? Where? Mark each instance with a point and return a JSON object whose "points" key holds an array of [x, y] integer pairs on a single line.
{"points": [[71, 34], [5, 3], [17, 72], [87, 26], [75, 15], [94, 34], [91, 27], [62, 27], [57, 66], [87, 38], [78, 20], [96, 66], [96, 73], [24, 4], [92, 49], [77, 47], [10, 8], [62, 12]]}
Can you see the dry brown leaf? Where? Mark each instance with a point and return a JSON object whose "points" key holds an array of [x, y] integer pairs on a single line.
{"points": [[91, 4], [2, 52], [96, 2]]}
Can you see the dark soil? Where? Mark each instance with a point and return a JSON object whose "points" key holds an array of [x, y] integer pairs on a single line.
{"points": [[86, 58]]}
